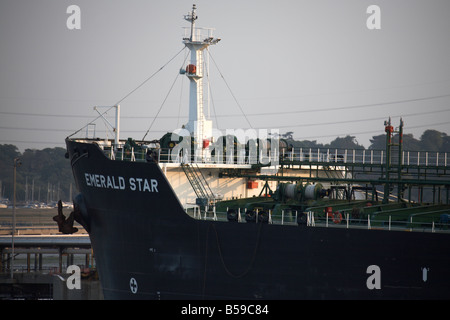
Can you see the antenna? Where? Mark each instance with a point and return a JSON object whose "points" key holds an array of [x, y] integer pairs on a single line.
{"points": [[191, 17]]}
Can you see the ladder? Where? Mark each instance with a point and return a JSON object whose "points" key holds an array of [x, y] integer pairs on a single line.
{"points": [[198, 182]]}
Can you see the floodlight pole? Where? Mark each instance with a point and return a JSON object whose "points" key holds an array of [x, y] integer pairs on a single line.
{"points": [[16, 164]]}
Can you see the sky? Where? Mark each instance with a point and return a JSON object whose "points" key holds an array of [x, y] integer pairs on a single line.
{"points": [[310, 67]]}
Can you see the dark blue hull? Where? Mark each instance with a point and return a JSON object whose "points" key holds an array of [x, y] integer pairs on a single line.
{"points": [[147, 247]]}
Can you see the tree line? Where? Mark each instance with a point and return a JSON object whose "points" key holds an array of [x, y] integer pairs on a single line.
{"points": [[430, 140], [42, 176]]}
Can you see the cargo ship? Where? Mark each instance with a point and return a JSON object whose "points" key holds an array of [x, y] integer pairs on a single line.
{"points": [[199, 215]]}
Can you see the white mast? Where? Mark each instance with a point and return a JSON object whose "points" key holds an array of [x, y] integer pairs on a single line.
{"points": [[198, 40]]}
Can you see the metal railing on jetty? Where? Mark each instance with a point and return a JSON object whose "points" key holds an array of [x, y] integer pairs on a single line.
{"points": [[431, 219]]}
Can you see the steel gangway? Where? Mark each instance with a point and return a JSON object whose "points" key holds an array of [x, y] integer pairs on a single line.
{"points": [[203, 191]]}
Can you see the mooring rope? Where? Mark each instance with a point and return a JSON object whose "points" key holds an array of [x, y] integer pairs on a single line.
{"points": [[227, 270]]}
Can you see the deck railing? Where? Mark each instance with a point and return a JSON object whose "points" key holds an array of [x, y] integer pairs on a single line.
{"points": [[296, 155], [311, 219]]}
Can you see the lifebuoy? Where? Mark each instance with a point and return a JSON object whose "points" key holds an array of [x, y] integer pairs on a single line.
{"points": [[250, 216], [232, 215], [337, 217], [263, 216]]}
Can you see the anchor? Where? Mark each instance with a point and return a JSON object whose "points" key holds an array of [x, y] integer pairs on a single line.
{"points": [[66, 225]]}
